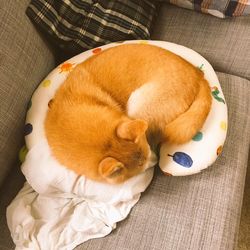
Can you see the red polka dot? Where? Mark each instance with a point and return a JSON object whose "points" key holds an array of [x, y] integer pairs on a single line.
{"points": [[96, 51], [50, 103], [167, 174]]}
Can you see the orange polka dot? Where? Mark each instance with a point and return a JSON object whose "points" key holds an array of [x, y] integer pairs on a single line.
{"points": [[66, 67], [214, 88], [219, 150]]}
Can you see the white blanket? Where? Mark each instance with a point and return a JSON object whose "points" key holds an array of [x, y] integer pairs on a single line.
{"points": [[64, 210]]}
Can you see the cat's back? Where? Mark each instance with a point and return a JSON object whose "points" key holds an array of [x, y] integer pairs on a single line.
{"points": [[129, 61], [122, 69]]}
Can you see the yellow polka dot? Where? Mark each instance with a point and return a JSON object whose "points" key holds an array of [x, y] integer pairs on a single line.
{"points": [[46, 83], [143, 42], [22, 153], [223, 125]]}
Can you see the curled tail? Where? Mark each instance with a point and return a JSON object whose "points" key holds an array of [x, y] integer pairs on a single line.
{"points": [[185, 126]]}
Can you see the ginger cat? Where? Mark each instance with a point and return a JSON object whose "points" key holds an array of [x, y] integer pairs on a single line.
{"points": [[115, 103]]}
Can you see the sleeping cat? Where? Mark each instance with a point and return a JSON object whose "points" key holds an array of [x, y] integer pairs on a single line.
{"points": [[114, 104]]}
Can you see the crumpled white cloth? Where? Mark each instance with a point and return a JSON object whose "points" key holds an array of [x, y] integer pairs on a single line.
{"points": [[56, 209]]}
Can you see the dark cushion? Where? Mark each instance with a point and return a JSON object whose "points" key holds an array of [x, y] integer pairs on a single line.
{"points": [[77, 25], [222, 8]]}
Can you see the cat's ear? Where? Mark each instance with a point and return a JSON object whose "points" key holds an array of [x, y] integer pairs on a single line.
{"points": [[132, 130], [112, 170]]}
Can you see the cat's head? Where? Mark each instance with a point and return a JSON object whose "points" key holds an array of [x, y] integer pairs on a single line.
{"points": [[126, 153]]}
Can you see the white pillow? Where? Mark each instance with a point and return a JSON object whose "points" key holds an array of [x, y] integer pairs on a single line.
{"points": [[185, 159]]}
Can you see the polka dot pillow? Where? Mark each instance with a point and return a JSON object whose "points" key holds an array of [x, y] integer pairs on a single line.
{"points": [[185, 159]]}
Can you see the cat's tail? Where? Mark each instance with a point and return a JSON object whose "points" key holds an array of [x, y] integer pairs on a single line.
{"points": [[185, 126]]}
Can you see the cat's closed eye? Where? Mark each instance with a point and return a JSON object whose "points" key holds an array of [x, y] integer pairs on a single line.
{"points": [[139, 157]]}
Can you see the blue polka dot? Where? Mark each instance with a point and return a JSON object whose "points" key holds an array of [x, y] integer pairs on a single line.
{"points": [[183, 159], [27, 129]]}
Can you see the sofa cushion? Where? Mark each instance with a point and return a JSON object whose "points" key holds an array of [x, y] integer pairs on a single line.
{"points": [[13, 182], [77, 25], [24, 61], [223, 42], [220, 8], [193, 212]]}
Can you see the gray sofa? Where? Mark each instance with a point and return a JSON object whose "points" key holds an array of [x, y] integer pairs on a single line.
{"points": [[199, 212]]}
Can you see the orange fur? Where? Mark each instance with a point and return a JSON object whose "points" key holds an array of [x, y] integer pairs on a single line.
{"points": [[98, 129]]}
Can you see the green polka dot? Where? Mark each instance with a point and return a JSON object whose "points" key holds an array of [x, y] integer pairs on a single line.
{"points": [[198, 137], [46, 83], [201, 67], [22, 154], [29, 105]]}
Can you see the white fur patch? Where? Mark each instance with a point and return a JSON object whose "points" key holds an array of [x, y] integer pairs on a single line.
{"points": [[139, 98]]}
